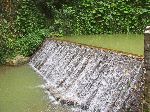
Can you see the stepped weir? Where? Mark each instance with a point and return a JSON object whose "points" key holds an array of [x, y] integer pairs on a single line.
{"points": [[90, 79]]}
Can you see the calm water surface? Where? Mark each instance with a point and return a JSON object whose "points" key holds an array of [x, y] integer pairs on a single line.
{"points": [[19, 91]]}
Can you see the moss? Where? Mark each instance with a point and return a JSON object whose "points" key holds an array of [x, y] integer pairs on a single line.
{"points": [[18, 60]]}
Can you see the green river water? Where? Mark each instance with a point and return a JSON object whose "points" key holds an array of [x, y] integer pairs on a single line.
{"points": [[19, 91]]}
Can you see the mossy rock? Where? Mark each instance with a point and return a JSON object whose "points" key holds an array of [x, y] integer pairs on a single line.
{"points": [[18, 60]]}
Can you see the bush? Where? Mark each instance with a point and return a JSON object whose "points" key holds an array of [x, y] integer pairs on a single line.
{"points": [[27, 44], [6, 36], [102, 16], [22, 33]]}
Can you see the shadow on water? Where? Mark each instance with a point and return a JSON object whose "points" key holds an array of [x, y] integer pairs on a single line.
{"points": [[20, 91]]}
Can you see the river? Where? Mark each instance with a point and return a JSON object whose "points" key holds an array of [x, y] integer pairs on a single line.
{"points": [[20, 91]]}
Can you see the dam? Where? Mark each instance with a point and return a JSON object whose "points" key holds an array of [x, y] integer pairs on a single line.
{"points": [[88, 79]]}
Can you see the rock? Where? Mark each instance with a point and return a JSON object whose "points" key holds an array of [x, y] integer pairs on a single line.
{"points": [[84, 107], [70, 103], [18, 60], [57, 98], [62, 102]]}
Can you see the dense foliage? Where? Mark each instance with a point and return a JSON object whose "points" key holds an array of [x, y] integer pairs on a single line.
{"points": [[102, 16], [23, 28], [24, 24]]}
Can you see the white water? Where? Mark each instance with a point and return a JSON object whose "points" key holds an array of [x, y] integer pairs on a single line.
{"points": [[89, 80]]}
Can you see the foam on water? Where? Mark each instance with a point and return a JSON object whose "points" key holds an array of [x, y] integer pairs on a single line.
{"points": [[89, 80]]}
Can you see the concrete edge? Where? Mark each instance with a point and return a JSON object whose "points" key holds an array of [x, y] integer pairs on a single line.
{"points": [[138, 57]]}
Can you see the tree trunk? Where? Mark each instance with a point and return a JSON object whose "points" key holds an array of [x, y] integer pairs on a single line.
{"points": [[8, 9]]}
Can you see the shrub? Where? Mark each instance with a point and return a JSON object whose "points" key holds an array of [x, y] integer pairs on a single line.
{"points": [[104, 16]]}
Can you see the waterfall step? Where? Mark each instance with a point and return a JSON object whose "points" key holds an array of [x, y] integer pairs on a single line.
{"points": [[90, 79]]}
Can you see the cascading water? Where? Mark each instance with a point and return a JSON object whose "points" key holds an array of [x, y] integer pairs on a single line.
{"points": [[90, 79]]}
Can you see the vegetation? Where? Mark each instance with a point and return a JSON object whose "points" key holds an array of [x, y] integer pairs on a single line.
{"points": [[102, 16], [24, 24], [22, 28]]}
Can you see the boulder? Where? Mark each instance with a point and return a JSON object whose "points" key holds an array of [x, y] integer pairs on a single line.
{"points": [[18, 60]]}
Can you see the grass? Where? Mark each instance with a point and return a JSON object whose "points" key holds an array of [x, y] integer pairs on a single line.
{"points": [[130, 43]]}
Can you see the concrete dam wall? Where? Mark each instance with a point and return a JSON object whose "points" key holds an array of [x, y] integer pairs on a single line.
{"points": [[90, 79]]}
